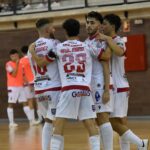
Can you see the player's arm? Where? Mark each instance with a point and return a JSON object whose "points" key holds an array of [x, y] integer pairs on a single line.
{"points": [[41, 61], [106, 73], [15, 70], [106, 54], [117, 50], [11, 70]]}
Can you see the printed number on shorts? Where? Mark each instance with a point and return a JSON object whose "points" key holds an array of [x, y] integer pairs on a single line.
{"points": [[74, 63], [40, 70]]}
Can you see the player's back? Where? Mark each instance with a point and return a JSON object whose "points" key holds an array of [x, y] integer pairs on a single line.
{"points": [[47, 76], [75, 65], [27, 68]]}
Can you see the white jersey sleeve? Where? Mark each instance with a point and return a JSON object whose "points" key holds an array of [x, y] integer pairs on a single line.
{"points": [[95, 51], [119, 41]]}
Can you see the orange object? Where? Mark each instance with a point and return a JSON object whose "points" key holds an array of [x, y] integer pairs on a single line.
{"points": [[27, 69], [14, 81]]}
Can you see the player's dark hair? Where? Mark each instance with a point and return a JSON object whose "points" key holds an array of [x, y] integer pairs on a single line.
{"points": [[113, 20], [96, 15], [13, 51], [42, 22], [24, 49], [72, 27]]}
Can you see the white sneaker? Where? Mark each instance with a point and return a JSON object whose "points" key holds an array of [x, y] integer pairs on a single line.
{"points": [[145, 145], [55, 4], [40, 6], [27, 7], [13, 125], [34, 123]]}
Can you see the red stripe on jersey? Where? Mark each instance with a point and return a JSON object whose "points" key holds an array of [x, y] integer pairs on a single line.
{"points": [[110, 87], [125, 89], [114, 37], [93, 37], [75, 87], [46, 90], [49, 59], [100, 54], [31, 84]]}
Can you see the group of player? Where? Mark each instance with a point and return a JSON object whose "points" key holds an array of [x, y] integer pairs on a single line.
{"points": [[83, 80], [20, 86]]}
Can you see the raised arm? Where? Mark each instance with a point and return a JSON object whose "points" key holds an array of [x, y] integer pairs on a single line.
{"points": [[13, 71], [117, 50], [106, 54]]}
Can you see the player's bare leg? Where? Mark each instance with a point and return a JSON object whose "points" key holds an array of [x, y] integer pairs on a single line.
{"points": [[106, 130], [120, 126], [93, 133]]}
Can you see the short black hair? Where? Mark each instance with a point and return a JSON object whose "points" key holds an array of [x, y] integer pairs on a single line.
{"points": [[24, 49], [72, 27], [96, 15], [13, 51], [114, 20], [41, 22]]}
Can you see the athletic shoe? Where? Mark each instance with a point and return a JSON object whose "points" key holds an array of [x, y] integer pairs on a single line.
{"points": [[145, 145], [55, 4], [34, 123], [40, 6], [13, 125], [27, 7]]}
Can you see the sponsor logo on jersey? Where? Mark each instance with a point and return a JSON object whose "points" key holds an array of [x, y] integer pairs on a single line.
{"points": [[98, 85], [93, 108], [97, 96], [75, 74], [41, 78], [99, 107], [44, 98], [80, 93], [53, 111]]}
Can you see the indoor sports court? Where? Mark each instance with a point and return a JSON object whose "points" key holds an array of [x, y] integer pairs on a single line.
{"points": [[22, 126]]}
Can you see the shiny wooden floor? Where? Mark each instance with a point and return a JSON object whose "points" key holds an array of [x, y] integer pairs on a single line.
{"points": [[76, 137]]}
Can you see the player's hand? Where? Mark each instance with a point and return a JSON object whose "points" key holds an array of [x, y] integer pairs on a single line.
{"points": [[32, 48], [102, 37], [17, 61], [106, 96], [31, 88], [51, 54]]}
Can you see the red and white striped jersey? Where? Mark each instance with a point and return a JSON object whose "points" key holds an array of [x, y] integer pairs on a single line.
{"points": [[75, 64], [117, 67], [47, 77]]}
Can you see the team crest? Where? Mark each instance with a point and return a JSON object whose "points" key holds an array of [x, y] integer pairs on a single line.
{"points": [[97, 96]]}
